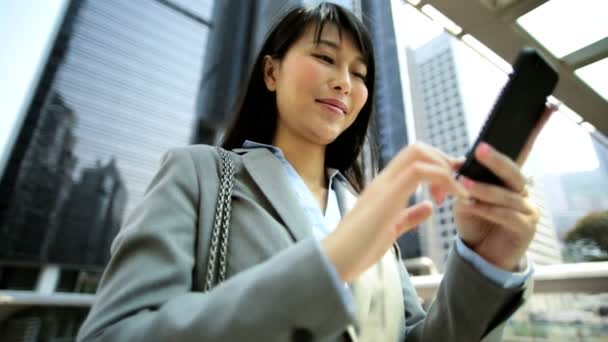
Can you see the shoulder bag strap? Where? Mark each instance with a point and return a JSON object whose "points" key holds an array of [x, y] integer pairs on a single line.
{"points": [[218, 250]]}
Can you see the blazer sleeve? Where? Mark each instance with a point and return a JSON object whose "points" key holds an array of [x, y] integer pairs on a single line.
{"points": [[145, 292], [467, 307]]}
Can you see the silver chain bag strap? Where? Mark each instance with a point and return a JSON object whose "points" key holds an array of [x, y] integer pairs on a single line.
{"points": [[216, 268]]}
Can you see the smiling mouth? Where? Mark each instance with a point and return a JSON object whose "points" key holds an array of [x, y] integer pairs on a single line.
{"points": [[332, 107]]}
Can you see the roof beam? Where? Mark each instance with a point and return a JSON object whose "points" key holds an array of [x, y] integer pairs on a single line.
{"points": [[506, 39], [588, 55], [519, 8]]}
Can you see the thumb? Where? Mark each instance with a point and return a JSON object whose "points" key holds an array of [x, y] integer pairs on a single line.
{"points": [[410, 217]]}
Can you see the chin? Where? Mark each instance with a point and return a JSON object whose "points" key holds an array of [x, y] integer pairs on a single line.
{"points": [[327, 140], [325, 136]]}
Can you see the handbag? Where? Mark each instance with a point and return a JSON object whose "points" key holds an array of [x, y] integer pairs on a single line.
{"points": [[218, 250]]}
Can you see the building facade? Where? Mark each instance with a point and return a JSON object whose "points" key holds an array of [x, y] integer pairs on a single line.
{"points": [[119, 89]]}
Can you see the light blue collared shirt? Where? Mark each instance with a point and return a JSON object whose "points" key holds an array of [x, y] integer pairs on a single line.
{"points": [[508, 280], [325, 223]]}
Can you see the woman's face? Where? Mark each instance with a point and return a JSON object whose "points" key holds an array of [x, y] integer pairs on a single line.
{"points": [[320, 88]]}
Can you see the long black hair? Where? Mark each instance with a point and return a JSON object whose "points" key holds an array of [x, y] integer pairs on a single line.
{"points": [[257, 112]]}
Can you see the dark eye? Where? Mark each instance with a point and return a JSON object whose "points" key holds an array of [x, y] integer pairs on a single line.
{"points": [[360, 75], [325, 58]]}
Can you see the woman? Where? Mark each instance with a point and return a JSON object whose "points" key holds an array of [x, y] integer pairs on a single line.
{"points": [[307, 260]]}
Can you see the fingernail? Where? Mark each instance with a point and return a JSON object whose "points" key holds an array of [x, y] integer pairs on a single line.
{"points": [[440, 198], [484, 149], [467, 182]]}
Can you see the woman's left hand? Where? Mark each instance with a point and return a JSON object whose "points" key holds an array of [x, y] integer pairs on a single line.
{"points": [[498, 223]]}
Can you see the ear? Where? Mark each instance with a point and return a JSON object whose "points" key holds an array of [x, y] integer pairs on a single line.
{"points": [[271, 70]]}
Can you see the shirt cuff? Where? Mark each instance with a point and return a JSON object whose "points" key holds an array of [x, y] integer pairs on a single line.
{"points": [[505, 279], [341, 287]]}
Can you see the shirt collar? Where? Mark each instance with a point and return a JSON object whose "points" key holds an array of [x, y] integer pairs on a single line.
{"points": [[331, 172]]}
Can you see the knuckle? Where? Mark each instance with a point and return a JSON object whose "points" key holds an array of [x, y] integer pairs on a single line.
{"points": [[536, 214], [419, 145], [533, 208], [418, 148]]}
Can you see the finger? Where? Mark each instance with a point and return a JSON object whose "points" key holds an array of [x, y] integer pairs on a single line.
{"points": [[458, 162], [497, 195], [523, 155], [507, 218], [434, 175], [410, 217], [418, 152], [501, 165], [437, 194]]}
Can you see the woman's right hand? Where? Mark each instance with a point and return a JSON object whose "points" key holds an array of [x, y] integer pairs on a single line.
{"points": [[379, 217]]}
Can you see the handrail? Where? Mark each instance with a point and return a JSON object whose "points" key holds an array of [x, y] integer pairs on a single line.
{"points": [[588, 277], [33, 298], [591, 277]]}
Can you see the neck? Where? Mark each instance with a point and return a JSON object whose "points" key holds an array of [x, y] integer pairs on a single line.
{"points": [[308, 159]]}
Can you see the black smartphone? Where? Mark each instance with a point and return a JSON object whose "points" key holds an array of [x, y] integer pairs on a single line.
{"points": [[515, 113]]}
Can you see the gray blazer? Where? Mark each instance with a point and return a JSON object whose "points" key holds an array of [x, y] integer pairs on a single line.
{"points": [[277, 288]]}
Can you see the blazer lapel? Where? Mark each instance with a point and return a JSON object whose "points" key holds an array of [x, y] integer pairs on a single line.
{"points": [[267, 171]]}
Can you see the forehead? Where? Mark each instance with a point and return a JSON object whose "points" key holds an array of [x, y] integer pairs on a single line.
{"points": [[330, 33]]}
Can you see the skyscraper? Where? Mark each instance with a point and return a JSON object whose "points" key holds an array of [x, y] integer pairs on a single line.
{"points": [[440, 121], [545, 248], [118, 89], [131, 73], [600, 145], [96, 202], [388, 95], [41, 187]]}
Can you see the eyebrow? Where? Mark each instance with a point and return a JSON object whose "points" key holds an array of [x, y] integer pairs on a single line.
{"points": [[337, 47]]}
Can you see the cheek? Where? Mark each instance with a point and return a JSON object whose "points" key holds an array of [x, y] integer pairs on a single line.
{"points": [[359, 95], [306, 74], [299, 77]]}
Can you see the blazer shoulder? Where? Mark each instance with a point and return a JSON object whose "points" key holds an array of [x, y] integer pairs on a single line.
{"points": [[198, 151], [200, 155]]}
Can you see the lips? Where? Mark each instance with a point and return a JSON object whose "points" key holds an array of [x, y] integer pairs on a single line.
{"points": [[335, 103]]}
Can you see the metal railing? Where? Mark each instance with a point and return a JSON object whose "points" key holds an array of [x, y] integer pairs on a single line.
{"points": [[589, 277]]}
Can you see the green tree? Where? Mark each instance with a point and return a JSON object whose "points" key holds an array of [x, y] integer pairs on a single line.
{"points": [[591, 232]]}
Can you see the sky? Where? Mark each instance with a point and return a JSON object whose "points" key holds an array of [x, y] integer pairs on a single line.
{"points": [[562, 147], [26, 27]]}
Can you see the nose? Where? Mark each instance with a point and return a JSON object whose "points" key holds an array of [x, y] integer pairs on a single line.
{"points": [[342, 82]]}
